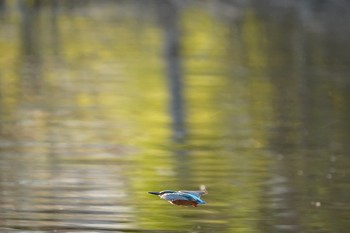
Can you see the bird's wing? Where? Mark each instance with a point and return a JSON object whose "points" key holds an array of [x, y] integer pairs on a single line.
{"points": [[177, 196], [197, 193], [192, 196], [183, 196]]}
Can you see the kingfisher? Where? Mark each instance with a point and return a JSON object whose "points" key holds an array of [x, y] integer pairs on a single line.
{"points": [[182, 197]]}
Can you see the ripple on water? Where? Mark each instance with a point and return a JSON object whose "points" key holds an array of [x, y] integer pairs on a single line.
{"points": [[70, 196]]}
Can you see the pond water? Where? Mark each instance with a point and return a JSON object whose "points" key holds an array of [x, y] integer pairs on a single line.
{"points": [[103, 101]]}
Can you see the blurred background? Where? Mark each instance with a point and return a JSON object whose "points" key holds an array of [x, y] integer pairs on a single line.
{"points": [[103, 101]]}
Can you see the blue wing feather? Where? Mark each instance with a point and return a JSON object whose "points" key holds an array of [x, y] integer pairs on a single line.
{"points": [[182, 196]]}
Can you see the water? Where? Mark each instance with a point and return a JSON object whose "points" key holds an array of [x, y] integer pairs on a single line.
{"points": [[101, 102]]}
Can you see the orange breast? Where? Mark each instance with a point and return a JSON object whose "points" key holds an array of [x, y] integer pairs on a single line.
{"points": [[184, 202]]}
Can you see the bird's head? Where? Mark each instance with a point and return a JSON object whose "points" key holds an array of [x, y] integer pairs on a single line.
{"points": [[162, 192]]}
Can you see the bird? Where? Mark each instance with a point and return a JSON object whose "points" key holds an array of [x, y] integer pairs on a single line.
{"points": [[182, 197]]}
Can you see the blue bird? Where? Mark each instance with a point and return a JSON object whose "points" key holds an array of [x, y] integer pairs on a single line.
{"points": [[182, 197]]}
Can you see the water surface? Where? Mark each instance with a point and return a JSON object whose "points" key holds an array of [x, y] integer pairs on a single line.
{"points": [[103, 101]]}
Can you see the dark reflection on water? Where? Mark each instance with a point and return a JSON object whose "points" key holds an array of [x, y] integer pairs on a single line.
{"points": [[103, 101]]}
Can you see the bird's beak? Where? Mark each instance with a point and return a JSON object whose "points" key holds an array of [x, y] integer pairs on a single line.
{"points": [[154, 193]]}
